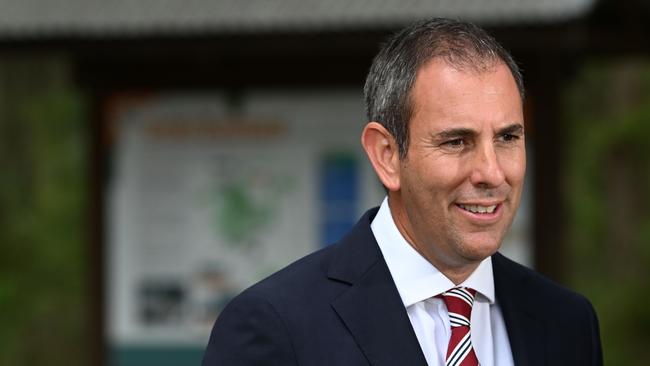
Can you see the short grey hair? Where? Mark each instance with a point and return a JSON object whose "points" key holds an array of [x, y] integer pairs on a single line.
{"points": [[391, 77]]}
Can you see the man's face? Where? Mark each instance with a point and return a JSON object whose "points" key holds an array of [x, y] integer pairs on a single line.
{"points": [[461, 181]]}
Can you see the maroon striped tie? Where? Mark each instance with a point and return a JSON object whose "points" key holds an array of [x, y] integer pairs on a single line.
{"points": [[459, 301]]}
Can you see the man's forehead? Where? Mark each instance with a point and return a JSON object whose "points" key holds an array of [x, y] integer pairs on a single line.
{"points": [[463, 98], [438, 75]]}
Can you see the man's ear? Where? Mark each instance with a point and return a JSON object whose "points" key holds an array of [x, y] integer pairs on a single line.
{"points": [[383, 154]]}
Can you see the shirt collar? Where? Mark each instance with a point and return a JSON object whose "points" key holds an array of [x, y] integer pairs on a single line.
{"points": [[417, 279]]}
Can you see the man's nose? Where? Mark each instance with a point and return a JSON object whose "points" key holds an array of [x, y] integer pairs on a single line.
{"points": [[486, 169]]}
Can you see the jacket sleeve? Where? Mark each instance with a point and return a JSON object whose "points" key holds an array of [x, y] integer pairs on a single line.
{"points": [[249, 332]]}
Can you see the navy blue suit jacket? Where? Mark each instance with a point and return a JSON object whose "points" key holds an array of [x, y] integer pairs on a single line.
{"points": [[339, 306]]}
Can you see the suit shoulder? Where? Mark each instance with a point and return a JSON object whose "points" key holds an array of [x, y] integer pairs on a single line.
{"points": [[539, 289], [566, 314], [249, 332]]}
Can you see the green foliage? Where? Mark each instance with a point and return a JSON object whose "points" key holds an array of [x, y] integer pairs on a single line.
{"points": [[608, 181], [43, 275]]}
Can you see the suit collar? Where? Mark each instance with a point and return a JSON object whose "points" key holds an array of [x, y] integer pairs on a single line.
{"points": [[371, 308], [526, 331], [356, 252]]}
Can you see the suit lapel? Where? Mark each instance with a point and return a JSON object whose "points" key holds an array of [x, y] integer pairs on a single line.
{"points": [[525, 330], [371, 308]]}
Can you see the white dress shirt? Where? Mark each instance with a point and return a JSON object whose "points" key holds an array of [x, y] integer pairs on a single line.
{"points": [[418, 282]]}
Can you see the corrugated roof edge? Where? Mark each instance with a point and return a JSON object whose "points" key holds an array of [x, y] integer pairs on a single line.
{"points": [[132, 28]]}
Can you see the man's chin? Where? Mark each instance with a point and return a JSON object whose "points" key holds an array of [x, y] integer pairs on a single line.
{"points": [[476, 251]]}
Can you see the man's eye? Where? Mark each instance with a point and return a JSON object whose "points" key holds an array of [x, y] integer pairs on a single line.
{"points": [[509, 137], [455, 143]]}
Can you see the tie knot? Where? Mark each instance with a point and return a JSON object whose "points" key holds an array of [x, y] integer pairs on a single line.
{"points": [[459, 301]]}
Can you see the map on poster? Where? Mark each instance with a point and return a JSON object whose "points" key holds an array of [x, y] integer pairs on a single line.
{"points": [[202, 205]]}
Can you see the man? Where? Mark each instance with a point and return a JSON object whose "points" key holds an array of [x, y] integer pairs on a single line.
{"points": [[419, 281]]}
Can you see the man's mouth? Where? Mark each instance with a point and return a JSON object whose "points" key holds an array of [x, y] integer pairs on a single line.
{"points": [[478, 209]]}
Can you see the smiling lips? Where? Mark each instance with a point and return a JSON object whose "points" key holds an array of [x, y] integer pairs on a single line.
{"points": [[478, 209]]}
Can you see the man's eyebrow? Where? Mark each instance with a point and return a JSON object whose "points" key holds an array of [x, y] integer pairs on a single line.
{"points": [[515, 128], [454, 133]]}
